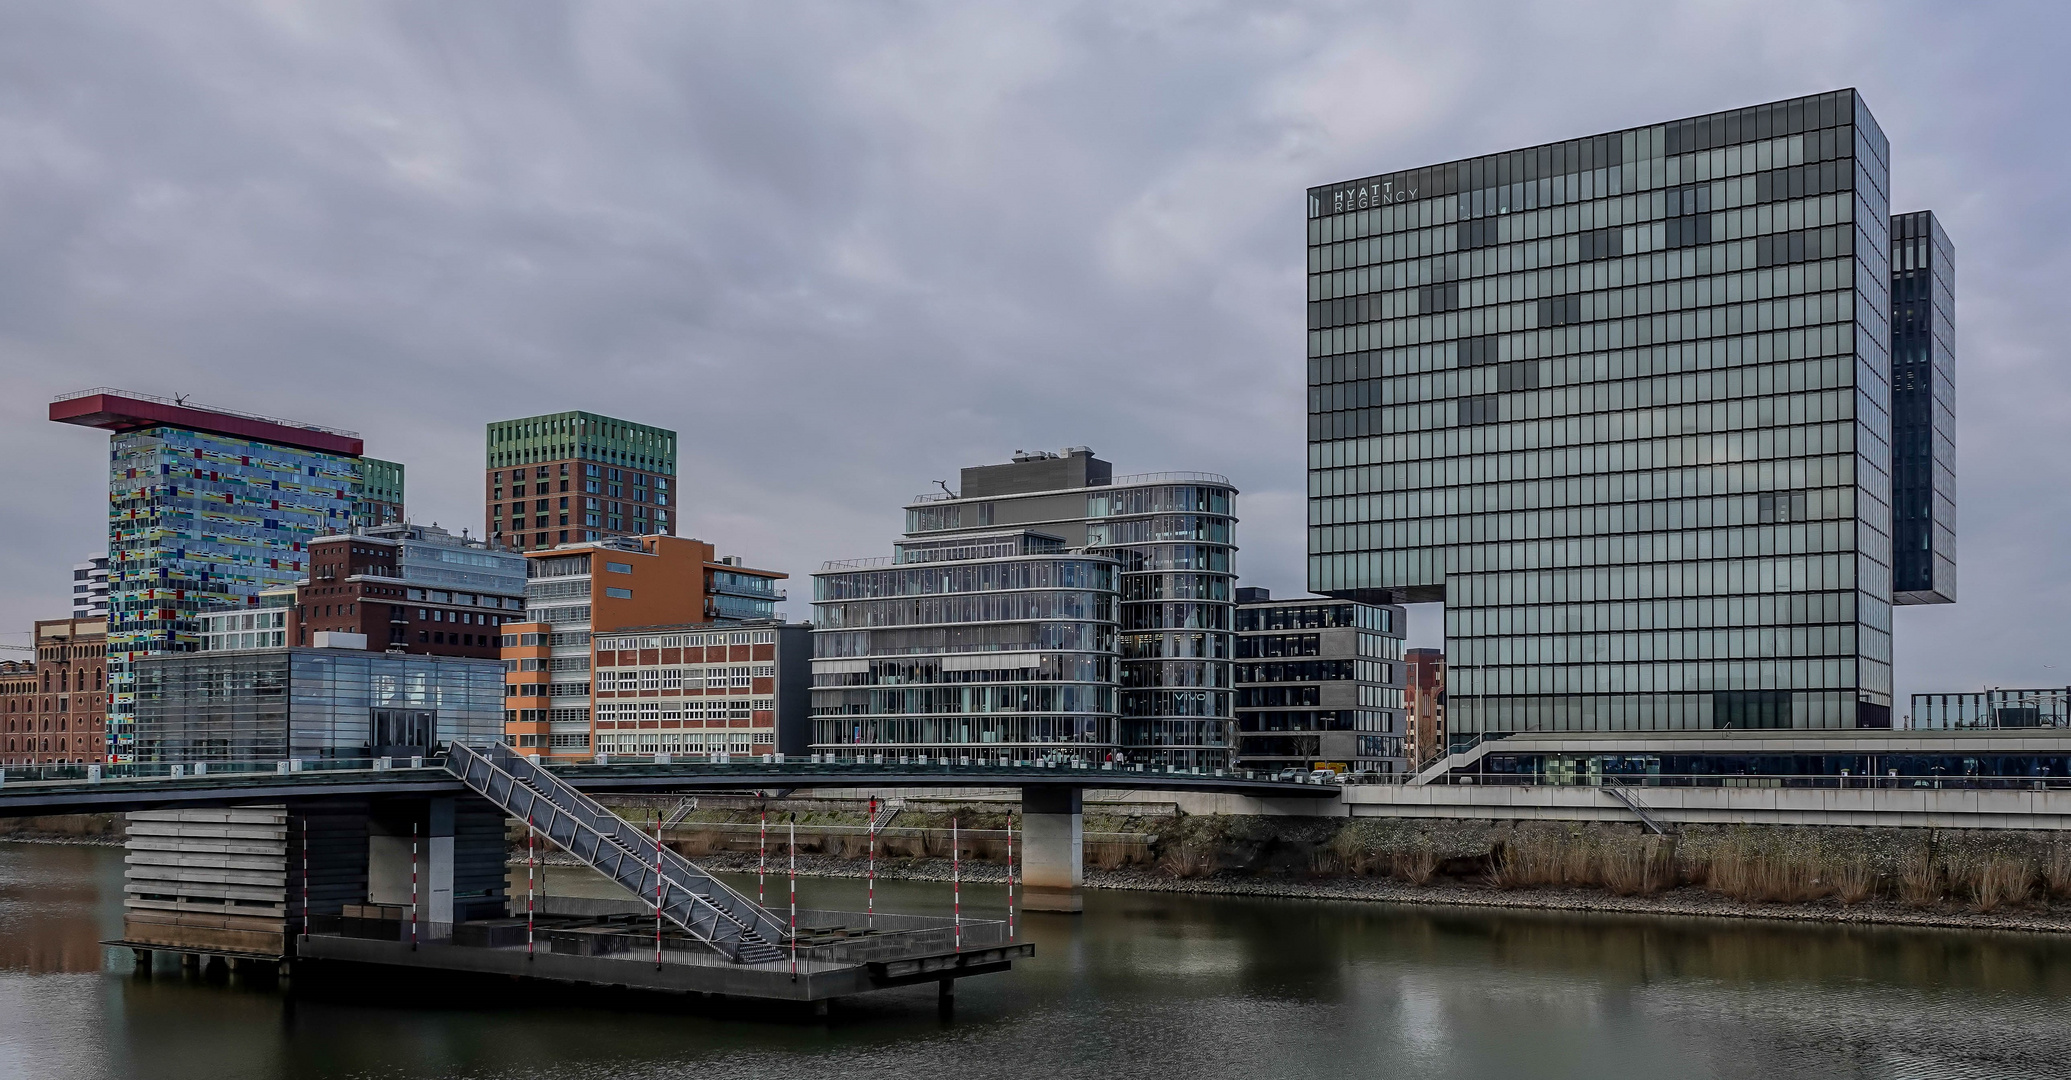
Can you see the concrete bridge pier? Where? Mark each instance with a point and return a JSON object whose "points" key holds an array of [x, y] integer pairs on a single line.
{"points": [[1053, 835]]}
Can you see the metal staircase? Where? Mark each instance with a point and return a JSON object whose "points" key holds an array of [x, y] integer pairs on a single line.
{"points": [[1617, 791], [689, 897]]}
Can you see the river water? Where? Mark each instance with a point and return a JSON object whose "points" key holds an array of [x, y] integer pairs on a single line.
{"points": [[1141, 985]]}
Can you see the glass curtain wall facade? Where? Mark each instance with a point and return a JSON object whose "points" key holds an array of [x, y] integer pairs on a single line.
{"points": [[1319, 685], [1623, 403], [1992, 709], [198, 521], [270, 704], [381, 494], [1174, 535], [997, 645], [1923, 410]]}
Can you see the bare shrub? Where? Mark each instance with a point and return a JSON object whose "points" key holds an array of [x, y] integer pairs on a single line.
{"points": [[1354, 857], [1417, 866], [1998, 881], [1109, 854], [1855, 880], [1324, 862], [1190, 859], [1919, 881], [2056, 873]]}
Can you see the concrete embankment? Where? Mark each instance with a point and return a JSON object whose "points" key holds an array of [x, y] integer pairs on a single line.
{"points": [[1981, 878]]}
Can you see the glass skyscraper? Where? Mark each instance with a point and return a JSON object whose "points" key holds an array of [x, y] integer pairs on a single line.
{"points": [[1923, 411], [1624, 404]]}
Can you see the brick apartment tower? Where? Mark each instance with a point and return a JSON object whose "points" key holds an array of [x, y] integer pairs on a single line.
{"points": [[1423, 705], [576, 476]]}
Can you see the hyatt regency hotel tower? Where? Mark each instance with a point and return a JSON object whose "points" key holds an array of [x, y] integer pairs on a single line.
{"points": [[1639, 409]]}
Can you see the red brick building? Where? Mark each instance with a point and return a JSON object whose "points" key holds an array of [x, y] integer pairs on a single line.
{"points": [[410, 588], [57, 707], [1423, 701]]}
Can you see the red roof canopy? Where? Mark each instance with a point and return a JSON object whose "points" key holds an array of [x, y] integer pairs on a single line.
{"points": [[116, 411]]}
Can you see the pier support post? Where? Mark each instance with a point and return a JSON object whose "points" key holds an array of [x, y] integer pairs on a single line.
{"points": [[1053, 836]]}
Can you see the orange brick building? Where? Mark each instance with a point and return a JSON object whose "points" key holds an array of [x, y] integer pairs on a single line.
{"points": [[574, 592]]}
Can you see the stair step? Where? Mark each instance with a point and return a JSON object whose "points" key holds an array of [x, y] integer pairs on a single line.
{"points": [[613, 844]]}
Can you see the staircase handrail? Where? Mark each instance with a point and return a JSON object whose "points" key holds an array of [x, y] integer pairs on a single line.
{"points": [[738, 906], [675, 893]]}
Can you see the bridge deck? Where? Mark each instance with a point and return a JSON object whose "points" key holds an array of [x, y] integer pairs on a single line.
{"points": [[19, 798]]}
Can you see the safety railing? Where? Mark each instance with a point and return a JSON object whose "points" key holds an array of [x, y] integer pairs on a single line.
{"points": [[749, 766], [1898, 782], [131, 770], [825, 939]]}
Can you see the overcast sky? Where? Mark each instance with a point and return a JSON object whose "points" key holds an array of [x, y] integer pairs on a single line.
{"points": [[845, 249]]}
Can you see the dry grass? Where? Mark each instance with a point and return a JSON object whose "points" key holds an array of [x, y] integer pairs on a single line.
{"points": [[1766, 879], [1641, 869], [1116, 854], [1540, 860], [1855, 881], [2056, 873], [1355, 858], [1998, 881], [1417, 867], [1920, 881], [1190, 860]]}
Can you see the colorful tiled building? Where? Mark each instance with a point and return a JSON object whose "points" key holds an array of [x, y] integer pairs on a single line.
{"points": [[207, 508]]}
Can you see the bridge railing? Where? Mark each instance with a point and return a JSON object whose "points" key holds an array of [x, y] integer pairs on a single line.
{"points": [[144, 770], [1777, 780], [747, 765]]}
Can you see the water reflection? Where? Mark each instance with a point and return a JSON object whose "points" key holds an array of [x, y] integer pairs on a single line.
{"points": [[1141, 985]]}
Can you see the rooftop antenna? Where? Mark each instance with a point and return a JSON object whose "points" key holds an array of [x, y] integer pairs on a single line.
{"points": [[945, 488]]}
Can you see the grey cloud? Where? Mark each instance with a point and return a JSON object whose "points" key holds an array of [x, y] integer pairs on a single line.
{"points": [[844, 249]]}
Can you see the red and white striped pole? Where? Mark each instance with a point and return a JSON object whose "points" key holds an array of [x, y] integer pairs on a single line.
{"points": [[870, 896], [657, 892], [1010, 877], [305, 879], [762, 857], [956, 882], [413, 886], [531, 861], [794, 895]]}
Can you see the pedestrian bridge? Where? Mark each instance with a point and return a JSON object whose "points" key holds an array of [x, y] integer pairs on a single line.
{"points": [[90, 789]]}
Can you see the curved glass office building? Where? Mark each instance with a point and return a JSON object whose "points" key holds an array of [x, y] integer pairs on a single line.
{"points": [[1173, 537], [999, 644]]}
